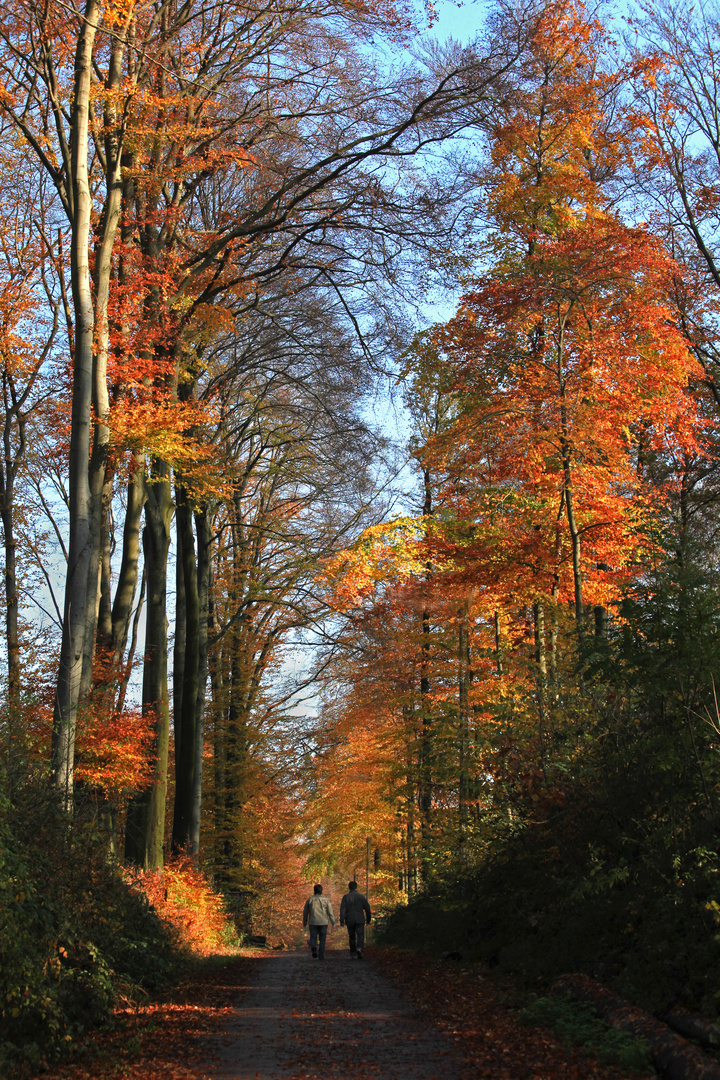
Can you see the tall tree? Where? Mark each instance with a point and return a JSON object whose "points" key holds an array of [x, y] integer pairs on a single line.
{"points": [[26, 341], [564, 357]]}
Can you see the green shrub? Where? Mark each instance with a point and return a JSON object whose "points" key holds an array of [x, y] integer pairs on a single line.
{"points": [[575, 1024], [71, 931]]}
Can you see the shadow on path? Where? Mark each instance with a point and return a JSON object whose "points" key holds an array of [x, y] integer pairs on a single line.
{"points": [[309, 1019]]}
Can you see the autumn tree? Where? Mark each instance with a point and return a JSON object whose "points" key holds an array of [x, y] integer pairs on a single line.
{"points": [[26, 342], [675, 181], [299, 481], [564, 357], [165, 106]]}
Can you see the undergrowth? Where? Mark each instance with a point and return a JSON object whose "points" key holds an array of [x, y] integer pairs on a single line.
{"points": [[609, 890], [78, 934], [575, 1024]]}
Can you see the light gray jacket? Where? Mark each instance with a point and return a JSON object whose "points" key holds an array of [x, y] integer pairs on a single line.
{"points": [[318, 911]]}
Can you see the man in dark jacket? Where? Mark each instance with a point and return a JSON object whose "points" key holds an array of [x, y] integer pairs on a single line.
{"points": [[354, 913]]}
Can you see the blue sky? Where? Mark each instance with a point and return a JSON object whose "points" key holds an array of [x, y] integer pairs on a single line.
{"points": [[458, 20]]}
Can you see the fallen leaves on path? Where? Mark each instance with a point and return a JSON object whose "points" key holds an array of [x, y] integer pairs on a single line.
{"points": [[162, 1040], [486, 1033]]}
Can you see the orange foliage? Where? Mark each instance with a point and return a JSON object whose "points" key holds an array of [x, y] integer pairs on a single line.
{"points": [[569, 372], [113, 751], [183, 897], [562, 373], [563, 367]]}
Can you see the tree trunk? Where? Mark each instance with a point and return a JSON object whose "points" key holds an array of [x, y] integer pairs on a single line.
{"points": [[114, 624], [411, 841], [203, 528], [218, 688], [87, 471], [236, 743], [127, 666], [426, 770], [79, 493], [498, 649], [186, 679], [672, 1056], [145, 829], [426, 766], [464, 717], [568, 498], [101, 468], [104, 616], [179, 638], [129, 563], [541, 678], [572, 527], [7, 513]]}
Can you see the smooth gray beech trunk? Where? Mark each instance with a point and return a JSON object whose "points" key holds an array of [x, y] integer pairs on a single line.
{"points": [[127, 581], [79, 493], [114, 622], [90, 402], [179, 635]]}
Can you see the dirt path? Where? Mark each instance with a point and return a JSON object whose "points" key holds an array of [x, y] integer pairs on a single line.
{"points": [[306, 1019], [284, 1016]]}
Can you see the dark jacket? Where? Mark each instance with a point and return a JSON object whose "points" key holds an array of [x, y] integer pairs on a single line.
{"points": [[354, 908]]}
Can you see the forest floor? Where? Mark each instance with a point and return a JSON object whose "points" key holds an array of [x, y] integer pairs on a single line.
{"points": [[285, 1016]]}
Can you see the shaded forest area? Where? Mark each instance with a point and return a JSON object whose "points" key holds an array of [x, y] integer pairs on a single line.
{"points": [[252, 635]]}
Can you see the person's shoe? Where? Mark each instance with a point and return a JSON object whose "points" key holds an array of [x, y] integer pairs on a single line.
{"points": [[359, 955], [314, 952]]}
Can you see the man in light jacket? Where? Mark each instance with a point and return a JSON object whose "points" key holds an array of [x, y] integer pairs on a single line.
{"points": [[354, 913], [318, 913]]}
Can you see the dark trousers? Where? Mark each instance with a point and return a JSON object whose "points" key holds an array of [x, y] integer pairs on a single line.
{"points": [[356, 933], [315, 933]]}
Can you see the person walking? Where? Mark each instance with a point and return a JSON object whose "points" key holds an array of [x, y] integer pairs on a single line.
{"points": [[318, 913], [354, 913]]}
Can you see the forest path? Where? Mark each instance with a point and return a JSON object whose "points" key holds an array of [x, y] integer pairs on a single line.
{"points": [[308, 1019]]}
